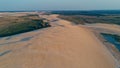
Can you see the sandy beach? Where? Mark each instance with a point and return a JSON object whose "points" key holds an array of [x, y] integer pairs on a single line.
{"points": [[61, 46], [99, 28]]}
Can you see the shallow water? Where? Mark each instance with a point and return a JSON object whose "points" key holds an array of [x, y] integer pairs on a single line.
{"points": [[112, 40]]}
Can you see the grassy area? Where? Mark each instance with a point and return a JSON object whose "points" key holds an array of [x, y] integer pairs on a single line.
{"points": [[11, 25], [74, 19], [83, 19], [88, 17]]}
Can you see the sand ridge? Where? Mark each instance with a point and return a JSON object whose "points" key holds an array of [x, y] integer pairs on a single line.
{"points": [[62, 46]]}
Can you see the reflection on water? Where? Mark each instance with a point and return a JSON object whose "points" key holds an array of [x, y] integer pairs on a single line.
{"points": [[112, 39]]}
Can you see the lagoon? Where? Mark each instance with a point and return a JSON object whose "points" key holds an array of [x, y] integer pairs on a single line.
{"points": [[113, 39]]}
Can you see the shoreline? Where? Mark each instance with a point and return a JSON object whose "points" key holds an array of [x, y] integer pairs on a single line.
{"points": [[110, 47]]}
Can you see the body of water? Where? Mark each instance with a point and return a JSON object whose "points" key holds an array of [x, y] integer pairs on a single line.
{"points": [[111, 38]]}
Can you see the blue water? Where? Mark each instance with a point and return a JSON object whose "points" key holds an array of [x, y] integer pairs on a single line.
{"points": [[112, 40]]}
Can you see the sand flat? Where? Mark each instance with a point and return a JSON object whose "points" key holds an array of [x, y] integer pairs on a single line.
{"points": [[61, 46]]}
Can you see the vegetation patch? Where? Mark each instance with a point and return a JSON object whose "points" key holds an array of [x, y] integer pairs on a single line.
{"points": [[11, 25], [82, 19], [88, 17]]}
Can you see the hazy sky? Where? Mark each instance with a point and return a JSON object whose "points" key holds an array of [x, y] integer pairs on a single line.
{"points": [[6, 5]]}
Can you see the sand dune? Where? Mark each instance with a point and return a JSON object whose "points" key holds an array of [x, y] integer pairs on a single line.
{"points": [[106, 28], [61, 46]]}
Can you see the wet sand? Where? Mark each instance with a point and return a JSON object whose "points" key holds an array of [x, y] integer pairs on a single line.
{"points": [[99, 28]]}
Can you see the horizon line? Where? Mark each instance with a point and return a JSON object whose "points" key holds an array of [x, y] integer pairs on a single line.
{"points": [[57, 10]]}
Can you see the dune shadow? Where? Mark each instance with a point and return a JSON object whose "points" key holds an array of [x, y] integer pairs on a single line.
{"points": [[5, 52]]}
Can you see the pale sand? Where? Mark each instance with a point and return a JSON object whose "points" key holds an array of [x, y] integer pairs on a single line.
{"points": [[110, 28], [61, 46]]}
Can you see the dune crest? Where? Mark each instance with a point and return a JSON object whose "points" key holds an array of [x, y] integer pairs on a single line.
{"points": [[62, 46]]}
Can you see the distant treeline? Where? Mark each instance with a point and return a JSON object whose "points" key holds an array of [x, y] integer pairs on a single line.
{"points": [[89, 17], [88, 13]]}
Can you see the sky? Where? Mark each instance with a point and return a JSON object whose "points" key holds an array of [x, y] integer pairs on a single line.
{"points": [[11, 5]]}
